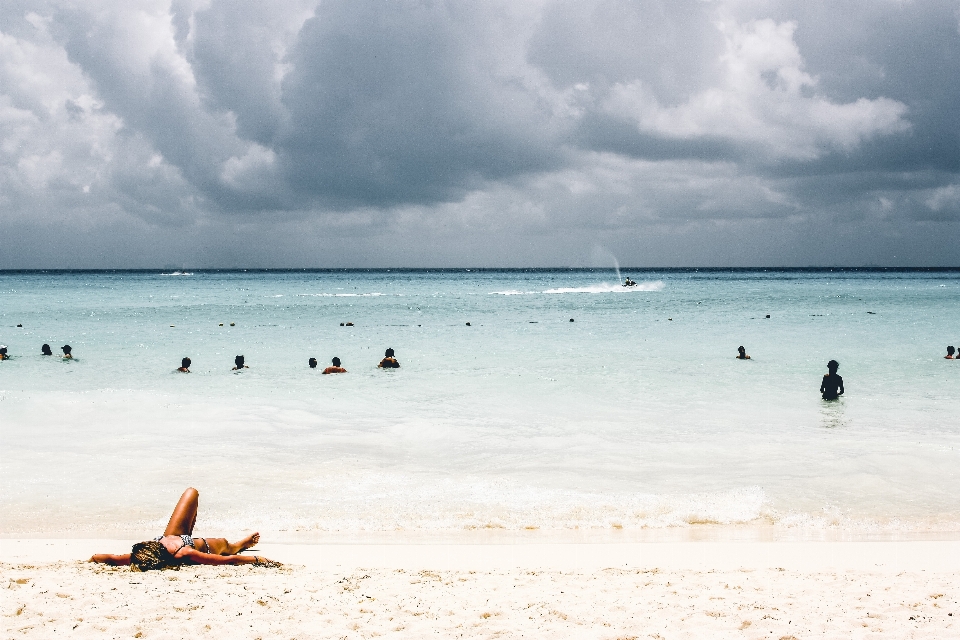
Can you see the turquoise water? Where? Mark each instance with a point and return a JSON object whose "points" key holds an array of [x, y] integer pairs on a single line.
{"points": [[635, 417]]}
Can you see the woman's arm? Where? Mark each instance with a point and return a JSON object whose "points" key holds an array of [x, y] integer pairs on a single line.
{"points": [[108, 558], [199, 557]]}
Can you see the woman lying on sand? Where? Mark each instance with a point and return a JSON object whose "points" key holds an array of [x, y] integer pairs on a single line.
{"points": [[178, 546]]}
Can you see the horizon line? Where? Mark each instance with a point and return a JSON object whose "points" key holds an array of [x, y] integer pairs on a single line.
{"points": [[463, 269]]}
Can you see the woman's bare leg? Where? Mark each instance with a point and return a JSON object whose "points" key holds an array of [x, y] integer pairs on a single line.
{"points": [[223, 547], [184, 515]]}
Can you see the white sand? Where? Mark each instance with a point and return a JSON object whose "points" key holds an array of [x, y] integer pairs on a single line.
{"points": [[666, 590]]}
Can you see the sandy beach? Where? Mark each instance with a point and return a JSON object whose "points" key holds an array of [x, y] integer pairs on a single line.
{"points": [[657, 590]]}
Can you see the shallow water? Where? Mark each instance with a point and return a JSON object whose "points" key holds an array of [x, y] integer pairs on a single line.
{"points": [[634, 417]]}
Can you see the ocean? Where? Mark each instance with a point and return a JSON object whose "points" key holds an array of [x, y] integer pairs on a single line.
{"points": [[528, 402]]}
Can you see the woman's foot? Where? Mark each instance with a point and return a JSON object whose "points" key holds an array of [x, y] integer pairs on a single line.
{"points": [[249, 541]]}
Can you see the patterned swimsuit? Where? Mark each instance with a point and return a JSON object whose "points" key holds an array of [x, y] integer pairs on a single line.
{"points": [[186, 540]]}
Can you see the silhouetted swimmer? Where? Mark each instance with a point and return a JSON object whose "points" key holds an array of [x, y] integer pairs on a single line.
{"points": [[67, 352], [389, 361], [45, 350], [238, 361], [742, 353], [312, 363], [950, 352], [3, 352], [336, 368], [185, 365], [832, 386]]}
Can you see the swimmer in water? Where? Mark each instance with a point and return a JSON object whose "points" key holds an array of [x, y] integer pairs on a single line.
{"points": [[336, 368], [185, 365], [177, 546], [238, 362], [742, 353], [67, 352], [950, 352], [3, 352], [312, 363], [45, 350], [389, 361], [832, 386]]}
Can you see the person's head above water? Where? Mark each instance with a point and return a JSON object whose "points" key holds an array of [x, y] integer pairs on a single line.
{"points": [[741, 349], [336, 361], [66, 349], [388, 353], [3, 349], [832, 366], [312, 362], [45, 350], [239, 362], [185, 363], [950, 350]]}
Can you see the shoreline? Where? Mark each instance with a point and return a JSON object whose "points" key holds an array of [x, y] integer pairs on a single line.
{"points": [[740, 533], [880, 556]]}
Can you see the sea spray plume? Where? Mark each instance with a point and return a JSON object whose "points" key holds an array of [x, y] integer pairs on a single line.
{"points": [[601, 256]]}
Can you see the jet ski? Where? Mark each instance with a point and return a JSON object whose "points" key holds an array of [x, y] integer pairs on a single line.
{"points": [[629, 283]]}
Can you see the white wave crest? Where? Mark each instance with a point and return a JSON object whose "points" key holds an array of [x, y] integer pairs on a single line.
{"points": [[341, 295], [603, 287], [178, 273]]}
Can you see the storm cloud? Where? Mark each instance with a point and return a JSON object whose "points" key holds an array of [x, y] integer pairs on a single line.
{"points": [[206, 133]]}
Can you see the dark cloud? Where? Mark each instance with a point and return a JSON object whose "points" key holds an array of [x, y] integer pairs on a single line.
{"points": [[372, 133], [408, 102]]}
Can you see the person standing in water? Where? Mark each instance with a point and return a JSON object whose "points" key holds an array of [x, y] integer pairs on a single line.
{"points": [[336, 368], [238, 364], [185, 365], [67, 352], [832, 386], [742, 353], [45, 350], [389, 361]]}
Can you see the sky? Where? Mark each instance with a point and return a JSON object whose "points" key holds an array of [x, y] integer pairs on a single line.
{"points": [[533, 133]]}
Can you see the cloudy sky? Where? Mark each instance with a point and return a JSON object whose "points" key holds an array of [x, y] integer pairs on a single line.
{"points": [[298, 133]]}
